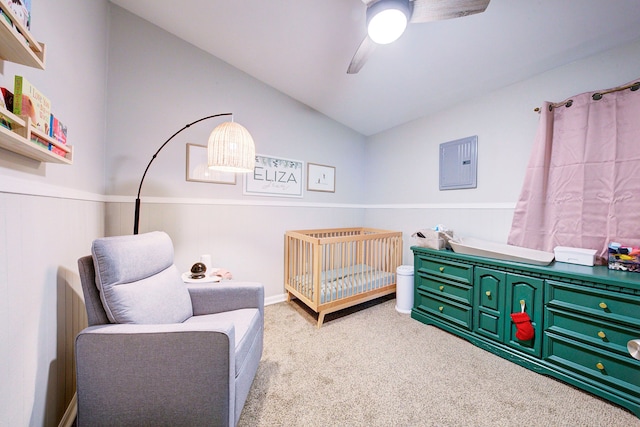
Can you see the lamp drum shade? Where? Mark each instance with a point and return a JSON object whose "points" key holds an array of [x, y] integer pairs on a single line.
{"points": [[231, 149]]}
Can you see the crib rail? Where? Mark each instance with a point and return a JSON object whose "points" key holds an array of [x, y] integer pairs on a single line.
{"points": [[315, 259]]}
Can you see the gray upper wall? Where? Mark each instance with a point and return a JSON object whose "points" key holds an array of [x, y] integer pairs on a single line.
{"points": [[159, 83], [403, 163], [126, 85], [74, 79]]}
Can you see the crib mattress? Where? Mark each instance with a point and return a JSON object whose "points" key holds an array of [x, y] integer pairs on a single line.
{"points": [[344, 282]]}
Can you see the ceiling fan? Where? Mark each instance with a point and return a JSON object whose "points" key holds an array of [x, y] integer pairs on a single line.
{"points": [[387, 20]]}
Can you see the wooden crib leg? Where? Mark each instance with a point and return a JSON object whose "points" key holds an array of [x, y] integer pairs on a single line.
{"points": [[320, 319]]}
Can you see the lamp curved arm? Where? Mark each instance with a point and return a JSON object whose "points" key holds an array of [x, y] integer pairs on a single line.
{"points": [[136, 218]]}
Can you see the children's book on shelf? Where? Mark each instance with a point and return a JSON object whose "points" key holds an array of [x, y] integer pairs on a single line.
{"points": [[22, 11], [58, 151], [58, 130], [6, 102], [47, 145], [29, 101], [17, 8], [7, 98], [41, 142]]}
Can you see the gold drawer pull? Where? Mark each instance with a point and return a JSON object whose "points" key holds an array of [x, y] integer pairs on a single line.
{"points": [[600, 366], [442, 288], [602, 305], [441, 308], [488, 293], [602, 335], [441, 269]]}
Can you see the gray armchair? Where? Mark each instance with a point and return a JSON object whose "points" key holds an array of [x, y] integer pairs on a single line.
{"points": [[157, 351]]}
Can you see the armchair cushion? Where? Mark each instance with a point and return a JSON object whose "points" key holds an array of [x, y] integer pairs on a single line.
{"points": [[138, 281], [247, 324]]}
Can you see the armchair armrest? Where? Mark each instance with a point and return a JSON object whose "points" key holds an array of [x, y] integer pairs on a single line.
{"points": [[226, 296], [169, 374]]}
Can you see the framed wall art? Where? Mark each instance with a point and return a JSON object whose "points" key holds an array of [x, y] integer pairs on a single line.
{"points": [[275, 176], [321, 178], [198, 168]]}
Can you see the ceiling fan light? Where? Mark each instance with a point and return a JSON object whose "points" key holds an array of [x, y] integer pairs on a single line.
{"points": [[387, 20]]}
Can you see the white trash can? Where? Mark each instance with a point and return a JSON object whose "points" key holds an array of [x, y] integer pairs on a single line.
{"points": [[404, 289]]}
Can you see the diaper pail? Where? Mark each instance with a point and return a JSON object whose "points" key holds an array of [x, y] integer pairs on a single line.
{"points": [[404, 289]]}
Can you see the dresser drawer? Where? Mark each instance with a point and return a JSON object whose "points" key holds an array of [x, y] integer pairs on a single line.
{"points": [[601, 367], [595, 302], [596, 332], [438, 285], [449, 311], [445, 268]]}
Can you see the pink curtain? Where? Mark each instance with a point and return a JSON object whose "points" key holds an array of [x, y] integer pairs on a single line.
{"points": [[582, 184]]}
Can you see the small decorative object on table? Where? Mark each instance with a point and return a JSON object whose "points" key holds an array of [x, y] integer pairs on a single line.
{"points": [[198, 270], [626, 258], [572, 255], [200, 274], [433, 238]]}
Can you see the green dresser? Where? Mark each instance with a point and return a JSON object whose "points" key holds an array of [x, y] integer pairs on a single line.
{"points": [[582, 317]]}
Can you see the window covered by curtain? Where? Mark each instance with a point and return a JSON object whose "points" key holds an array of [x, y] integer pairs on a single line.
{"points": [[582, 184]]}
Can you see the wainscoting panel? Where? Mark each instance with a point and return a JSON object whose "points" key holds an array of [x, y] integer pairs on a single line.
{"points": [[246, 239], [72, 318], [235, 232], [41, 304]]}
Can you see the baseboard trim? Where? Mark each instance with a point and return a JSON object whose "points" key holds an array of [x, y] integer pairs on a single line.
{"points": [[275, 299], [70, 414]]}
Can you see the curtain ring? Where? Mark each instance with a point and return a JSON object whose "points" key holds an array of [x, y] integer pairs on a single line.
{"points": [[635, 86], [569, 103], [596, 96]]}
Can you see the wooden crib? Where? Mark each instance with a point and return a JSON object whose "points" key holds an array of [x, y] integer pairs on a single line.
{"points": [[332, 269]]}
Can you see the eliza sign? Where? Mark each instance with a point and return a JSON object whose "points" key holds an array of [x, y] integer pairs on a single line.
{"points": [[274, 176]]}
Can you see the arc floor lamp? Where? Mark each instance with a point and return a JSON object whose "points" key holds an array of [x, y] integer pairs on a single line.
{"points": [[230, 149]]}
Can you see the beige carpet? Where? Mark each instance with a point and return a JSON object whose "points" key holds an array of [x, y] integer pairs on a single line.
{"points": [[377, 367]]}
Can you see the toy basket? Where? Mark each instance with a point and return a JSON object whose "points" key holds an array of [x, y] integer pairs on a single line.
{"points": [[428, 238]]}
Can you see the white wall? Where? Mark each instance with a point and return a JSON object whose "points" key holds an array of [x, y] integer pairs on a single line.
{"points": [[402, 163], [157, 84], [49, 214]]}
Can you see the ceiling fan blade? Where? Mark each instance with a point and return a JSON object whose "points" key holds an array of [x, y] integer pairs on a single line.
{"points": [[365, 50], [436, 10]]}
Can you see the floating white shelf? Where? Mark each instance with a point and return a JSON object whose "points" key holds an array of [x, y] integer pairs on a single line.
{"points": [[18, 140]]}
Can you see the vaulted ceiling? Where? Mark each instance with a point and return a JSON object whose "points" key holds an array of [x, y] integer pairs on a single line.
{"points": [[303, 49]]}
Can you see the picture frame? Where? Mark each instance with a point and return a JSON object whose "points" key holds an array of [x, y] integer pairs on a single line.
{"points": [[321, 178], [198, 167], [276, 177]]}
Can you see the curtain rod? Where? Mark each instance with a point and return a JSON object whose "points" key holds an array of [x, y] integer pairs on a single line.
{"points": [[596, 96]]}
